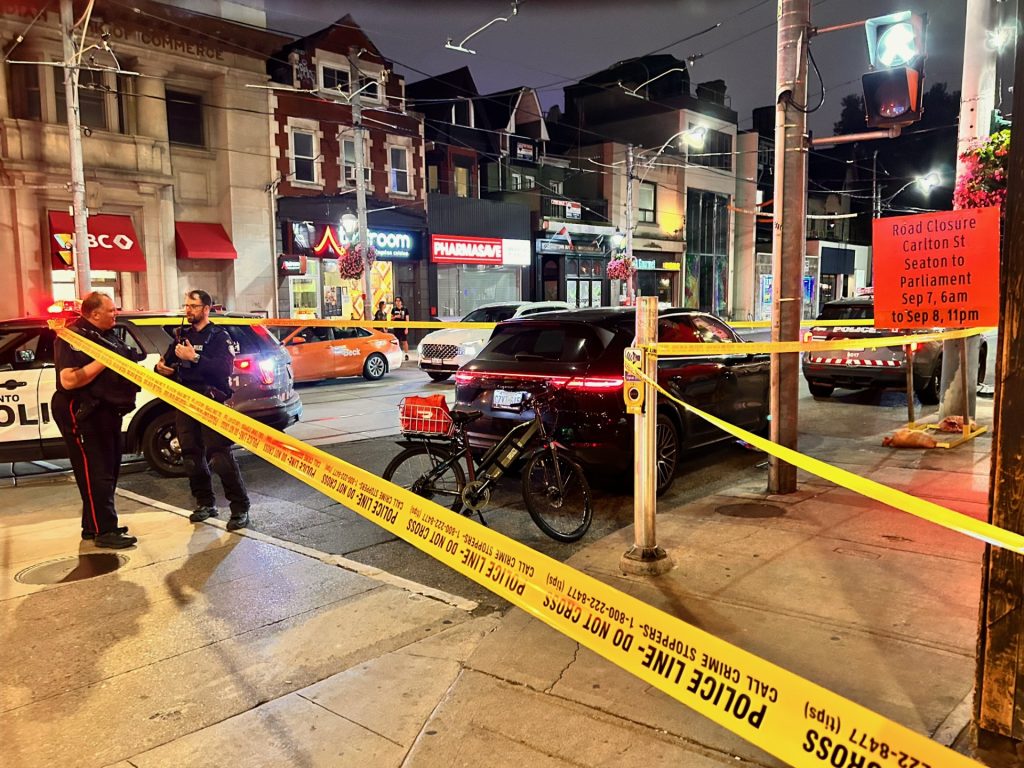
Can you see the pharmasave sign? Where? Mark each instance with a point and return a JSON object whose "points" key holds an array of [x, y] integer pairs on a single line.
{"points": [[449, 249]]}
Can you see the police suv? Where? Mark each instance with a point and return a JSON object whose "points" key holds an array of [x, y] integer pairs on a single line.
{"points": [[862, 368], [261, 380]]}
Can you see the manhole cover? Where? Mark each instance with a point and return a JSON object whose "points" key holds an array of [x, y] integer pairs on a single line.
{"points": [[71, 568], [751, 510]]}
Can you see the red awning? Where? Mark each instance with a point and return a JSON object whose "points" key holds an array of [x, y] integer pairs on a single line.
{"points": [[113, 244], [196, 240]]}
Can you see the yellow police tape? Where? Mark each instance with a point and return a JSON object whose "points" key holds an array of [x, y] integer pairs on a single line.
{"points": [[927, 510], [669, 349], [783, 714], [287, 322], [803, 323]]}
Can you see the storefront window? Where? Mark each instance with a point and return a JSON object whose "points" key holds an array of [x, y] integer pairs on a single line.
{"points": [[707, 243], [462, 288], [583, 281]]}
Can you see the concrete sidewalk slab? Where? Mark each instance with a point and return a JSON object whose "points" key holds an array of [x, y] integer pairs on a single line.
{"points": [[198, 626]]}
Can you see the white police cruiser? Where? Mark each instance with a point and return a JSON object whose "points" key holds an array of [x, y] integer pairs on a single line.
{"points": [[262, 383]]}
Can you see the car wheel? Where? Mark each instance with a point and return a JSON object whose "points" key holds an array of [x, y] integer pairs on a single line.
{"points": [[821, 390], [928, 390], [666, 452], [160, 446], [374, 367], [982, 364], [435, 376]]}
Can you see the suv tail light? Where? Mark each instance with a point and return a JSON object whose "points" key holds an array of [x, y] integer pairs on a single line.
{"points": [[596, 383], [249, 364], [586, 383]]}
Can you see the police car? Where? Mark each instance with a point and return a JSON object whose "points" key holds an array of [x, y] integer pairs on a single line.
{"points": [[885, 367], [262, 383]]}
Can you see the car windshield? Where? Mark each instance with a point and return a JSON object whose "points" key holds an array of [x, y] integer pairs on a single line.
{"points": [[570, 343], [491, 314], [847, 312]]}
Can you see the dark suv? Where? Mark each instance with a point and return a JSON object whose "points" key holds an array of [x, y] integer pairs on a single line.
{"points": [[581, 352], [885, 367], [262, 383]]}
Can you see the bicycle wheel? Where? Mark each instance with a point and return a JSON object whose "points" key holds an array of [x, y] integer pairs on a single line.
{"points": [[408, 468], [557, 495]]}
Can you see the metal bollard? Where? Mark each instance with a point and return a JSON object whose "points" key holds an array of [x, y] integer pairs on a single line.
{"points": [[645, 557]]}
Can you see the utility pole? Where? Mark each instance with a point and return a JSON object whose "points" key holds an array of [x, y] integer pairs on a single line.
{"points": [[362, 236], [790, 237], [999, 683], [977, 100], [80, 248], [631, 285], [876, 200]]}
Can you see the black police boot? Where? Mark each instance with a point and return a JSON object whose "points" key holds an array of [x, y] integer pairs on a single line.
{"points": [[115, 540], [202, 512], [238, 520]]}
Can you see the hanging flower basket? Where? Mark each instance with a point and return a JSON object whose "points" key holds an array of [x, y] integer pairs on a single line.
{"points": [[622, 268], [983, 181], [351, 263]]}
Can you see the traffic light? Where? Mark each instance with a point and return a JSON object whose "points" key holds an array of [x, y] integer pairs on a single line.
{"points": [[894, 87]]}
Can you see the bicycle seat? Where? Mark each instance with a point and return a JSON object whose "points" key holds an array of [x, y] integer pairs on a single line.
{"points": [[464, 417]]}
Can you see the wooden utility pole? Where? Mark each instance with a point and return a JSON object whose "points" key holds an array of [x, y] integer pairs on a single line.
{"points": [[790, 234], [631, 284], [999, 691], [363, 236], [80, 248]]}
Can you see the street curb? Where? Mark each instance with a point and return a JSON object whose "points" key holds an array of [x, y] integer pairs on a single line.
{"points": [[339, 561]]}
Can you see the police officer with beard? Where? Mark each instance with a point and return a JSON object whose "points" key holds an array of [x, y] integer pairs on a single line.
{"points": [[201, 357], [88, 408]]}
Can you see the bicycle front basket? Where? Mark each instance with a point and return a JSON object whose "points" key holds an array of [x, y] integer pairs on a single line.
{"points": [[427, 415]]}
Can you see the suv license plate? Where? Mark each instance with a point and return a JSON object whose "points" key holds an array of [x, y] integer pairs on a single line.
{"points": [[506, 400]]}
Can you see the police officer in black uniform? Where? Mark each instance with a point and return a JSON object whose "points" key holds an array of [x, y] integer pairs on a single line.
{"points": [[88, 408], [201, 357]]}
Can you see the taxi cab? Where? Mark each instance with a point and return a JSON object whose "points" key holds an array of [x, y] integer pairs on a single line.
{"points": [[326, 353]]}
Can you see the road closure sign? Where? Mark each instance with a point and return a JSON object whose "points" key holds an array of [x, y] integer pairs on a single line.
{"points": [[937, 270]]}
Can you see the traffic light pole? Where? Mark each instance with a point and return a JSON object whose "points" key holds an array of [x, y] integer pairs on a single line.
{"points": [[958, 383], [789, 241]]}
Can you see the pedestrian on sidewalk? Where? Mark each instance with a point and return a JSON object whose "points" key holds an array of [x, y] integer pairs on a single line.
{"points": [[88, 407], [381, 313], [401, 314], [201, 357]]}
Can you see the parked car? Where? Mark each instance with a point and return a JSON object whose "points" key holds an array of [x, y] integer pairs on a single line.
{"points": [[885, 367], [443, 352], [262, 383], [326, 353], [581, 352]]}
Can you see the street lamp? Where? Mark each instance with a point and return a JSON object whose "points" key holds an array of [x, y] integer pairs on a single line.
{"points": [[633, 91], [925, 183], [692, 137]]}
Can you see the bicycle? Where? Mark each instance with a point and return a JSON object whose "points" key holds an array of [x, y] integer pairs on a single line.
{"points": [[554, 487]]}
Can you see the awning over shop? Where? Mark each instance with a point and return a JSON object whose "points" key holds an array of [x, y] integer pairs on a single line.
{"points": [[113, 244], [197, 240]]}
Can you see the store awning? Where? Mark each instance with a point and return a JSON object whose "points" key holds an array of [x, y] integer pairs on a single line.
{"points": [[113, 244], [196, 240]]}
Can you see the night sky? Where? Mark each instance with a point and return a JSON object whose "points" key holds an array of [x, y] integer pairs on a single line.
{"points": [[552, 42]]}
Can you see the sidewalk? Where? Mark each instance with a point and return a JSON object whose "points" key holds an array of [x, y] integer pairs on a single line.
{"points": [[208, 648]]}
